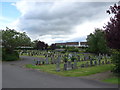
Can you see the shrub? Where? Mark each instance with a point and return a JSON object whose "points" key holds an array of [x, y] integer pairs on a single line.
{"points": [[73, 50], [116, 62], [10, 56], [63, 52]]}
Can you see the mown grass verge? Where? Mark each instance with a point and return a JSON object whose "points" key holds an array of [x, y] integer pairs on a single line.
{"points": [[113, 80], [51, 68]]}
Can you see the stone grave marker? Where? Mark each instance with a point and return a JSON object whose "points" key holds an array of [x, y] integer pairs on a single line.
{"points": [[108, 62], [34, 62], [75, 64], [47, 60], [78, 58], [87, 64], [38, 62], [95, 63], [58, 63], [69, 65], [105, 57], [91, 62], [65, 66], [99, 61], [52, 59], [103, 62], [82, 65]]}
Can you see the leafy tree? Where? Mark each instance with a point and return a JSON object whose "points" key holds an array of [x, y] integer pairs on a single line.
{"points": [[40, 45], [53, 46], [12, 39], [112, 33], [112, 29], [96, 41], [34, 43]]}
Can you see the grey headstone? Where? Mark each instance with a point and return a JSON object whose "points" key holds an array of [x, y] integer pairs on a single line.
{"points": [[69, 66], [78, 58], [108, 62], [91, 63], [99, 61], [87, 64], [82, 65], [47, 61], [95, 62], [65, 66], [103, 62], [58, 63], [57, 66], [75, 64]]}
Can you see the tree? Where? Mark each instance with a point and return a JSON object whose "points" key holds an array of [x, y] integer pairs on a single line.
{"points": [[12, 39], [53, 46], [96, 41], [40, 45], [112, 29], [112, 33]]}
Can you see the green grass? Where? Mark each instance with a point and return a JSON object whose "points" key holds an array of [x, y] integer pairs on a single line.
{"points": [[41, 56], [113, 80], [72, 73]]}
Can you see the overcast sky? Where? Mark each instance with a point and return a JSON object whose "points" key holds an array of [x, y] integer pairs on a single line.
{"points": [[54, 22]]}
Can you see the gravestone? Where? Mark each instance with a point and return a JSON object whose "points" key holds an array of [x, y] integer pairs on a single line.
{"points": [[82, 65], [99, 61], [34, 62], [95, 63], [38, 62], [57, 67], [43, 62], [47, 60], [52, 59], [78, 58], [75, 64], [105, 59], [65, 66], [69, 65], [108, 62], [84, 59], [87, 64], [91, 63], [89, 57], [58, 63], [103, 63]]}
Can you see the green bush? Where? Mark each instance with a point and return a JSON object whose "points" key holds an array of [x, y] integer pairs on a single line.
{"points": [[116, 62], [10, 56], [63, 51], [73, 50]]}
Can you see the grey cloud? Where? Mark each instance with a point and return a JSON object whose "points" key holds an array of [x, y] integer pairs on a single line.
{"points": [[60, 18]]}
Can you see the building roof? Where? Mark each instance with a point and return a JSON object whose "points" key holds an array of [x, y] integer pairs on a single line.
{"points": [[68, 43], [83, 43]]}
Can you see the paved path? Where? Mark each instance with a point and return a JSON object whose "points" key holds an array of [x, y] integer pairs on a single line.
{"points": [[15, 76]]}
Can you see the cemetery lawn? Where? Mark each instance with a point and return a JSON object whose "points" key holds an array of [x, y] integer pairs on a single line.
{"points": [[51, 68], [114, 80]]}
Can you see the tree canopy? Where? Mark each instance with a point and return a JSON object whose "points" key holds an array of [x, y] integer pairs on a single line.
{"points": [[97, 42], [12, 39], [40, 45], [112, 29], [112, 33]]}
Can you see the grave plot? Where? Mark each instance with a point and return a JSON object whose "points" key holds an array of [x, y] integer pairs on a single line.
{"points": [[67, 61]]}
